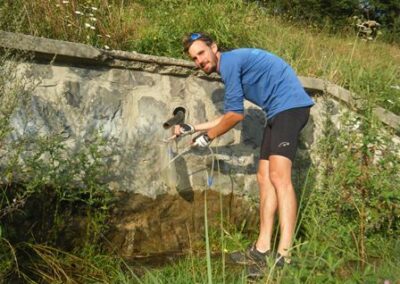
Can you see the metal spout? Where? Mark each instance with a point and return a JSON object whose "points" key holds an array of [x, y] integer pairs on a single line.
{"points": [[178, 117]]}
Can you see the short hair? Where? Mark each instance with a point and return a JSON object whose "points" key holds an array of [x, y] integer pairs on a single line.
{"points": [[192, 37]]}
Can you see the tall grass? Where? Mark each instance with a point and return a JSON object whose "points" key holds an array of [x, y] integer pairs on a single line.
{"points": [[44, 189], [156, 27], [348, 223]]}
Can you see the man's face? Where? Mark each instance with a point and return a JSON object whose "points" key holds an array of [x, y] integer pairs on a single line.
{"points": [[204, 56]]}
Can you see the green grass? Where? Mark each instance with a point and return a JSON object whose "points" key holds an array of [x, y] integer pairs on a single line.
{"points": [[370, 69], [348, 224]]}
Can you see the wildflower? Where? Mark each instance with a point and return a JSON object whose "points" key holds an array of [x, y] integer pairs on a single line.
{"points": [[65, 2], [106, 47], [108, 36], [94, 8], [87, 25], [92, 27], [69, 25], [356, 125], [78, 13], [93, 19]]}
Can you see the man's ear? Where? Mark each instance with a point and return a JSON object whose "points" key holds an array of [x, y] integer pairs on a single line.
{"points": [[214, 47]]}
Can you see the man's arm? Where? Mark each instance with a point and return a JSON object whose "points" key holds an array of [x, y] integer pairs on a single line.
{"points": [[217, 126], [225, 123], [209, 124], [199, 127]]}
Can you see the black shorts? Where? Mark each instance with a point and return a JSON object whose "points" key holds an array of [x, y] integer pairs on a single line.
{"points": [[282, 131]]}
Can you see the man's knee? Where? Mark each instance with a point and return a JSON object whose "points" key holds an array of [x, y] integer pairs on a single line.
{"points": [[280, 179], [263, 177], [280, 171]]}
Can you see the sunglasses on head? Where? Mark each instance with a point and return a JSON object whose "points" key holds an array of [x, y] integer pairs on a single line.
{"points": [[195, 36]]}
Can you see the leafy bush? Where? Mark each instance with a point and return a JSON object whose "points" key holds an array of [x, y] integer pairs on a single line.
{"points": [[337, 15], [50, 199]]}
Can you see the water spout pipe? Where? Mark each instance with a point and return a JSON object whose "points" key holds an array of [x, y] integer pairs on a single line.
{"points": [[178, 117]]}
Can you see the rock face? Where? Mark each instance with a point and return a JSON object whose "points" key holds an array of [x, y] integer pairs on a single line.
{"points": [[126, 97], [160, 207], [129, 108]]}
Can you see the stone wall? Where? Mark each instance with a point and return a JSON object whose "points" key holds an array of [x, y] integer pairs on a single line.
{"points": [[80, 91]]}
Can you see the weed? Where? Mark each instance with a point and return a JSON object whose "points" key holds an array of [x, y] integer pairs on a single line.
{"points": [[45, 191]]}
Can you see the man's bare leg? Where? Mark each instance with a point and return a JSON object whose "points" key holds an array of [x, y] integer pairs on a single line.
{"points": [[268, 206], [280, 169]]}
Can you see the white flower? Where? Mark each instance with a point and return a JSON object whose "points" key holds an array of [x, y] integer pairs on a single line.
{"points": [[65, 2], [69, 25], [108, 36], [93, 19], [78, 13], [92, 27], [106, 47], [87, 25], [357, 125], [94, 8]]}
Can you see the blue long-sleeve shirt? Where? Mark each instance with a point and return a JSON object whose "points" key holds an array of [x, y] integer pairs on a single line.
{"points": [[262, 78]]}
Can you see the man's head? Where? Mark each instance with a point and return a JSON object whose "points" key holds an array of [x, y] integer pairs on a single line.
{"points": [[202, 50]]}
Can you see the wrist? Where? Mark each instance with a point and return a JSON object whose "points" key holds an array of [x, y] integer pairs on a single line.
{"points": [[209, 136]]}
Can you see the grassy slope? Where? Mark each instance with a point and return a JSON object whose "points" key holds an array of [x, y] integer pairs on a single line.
{"points": [[156, 27]]}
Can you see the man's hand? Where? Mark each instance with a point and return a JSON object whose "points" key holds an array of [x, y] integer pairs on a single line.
{"points": [[184, 129], [202, 140]]}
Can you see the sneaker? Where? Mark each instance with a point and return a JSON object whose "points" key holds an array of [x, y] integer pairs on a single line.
{"points": [[281, 260], [255, 271], [250, 256]]}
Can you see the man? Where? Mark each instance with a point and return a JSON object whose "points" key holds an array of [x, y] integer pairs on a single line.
{"points": [[269, 82]]}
